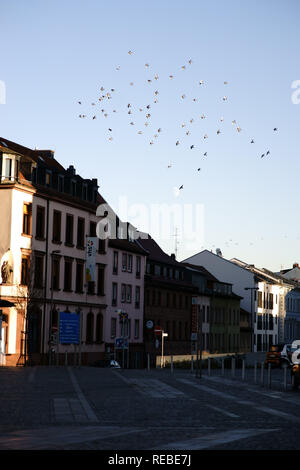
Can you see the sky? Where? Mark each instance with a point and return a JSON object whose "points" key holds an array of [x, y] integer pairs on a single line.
{"points": [[56, 53]]}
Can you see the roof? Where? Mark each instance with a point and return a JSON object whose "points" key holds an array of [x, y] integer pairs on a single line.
{"points": [[34, 154], [204, 271], [155, 253], [126, 245]]}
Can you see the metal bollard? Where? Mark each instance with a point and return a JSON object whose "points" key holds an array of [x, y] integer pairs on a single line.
{"points": [[285, 377], [262, 364], [255, 372], [223, 370], [233, 367], [208, 366], [243, 370], [172, 365], [148, 362], [192, 364], [269, 375], [66, 358]]}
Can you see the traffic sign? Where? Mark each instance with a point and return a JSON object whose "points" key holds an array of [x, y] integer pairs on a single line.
{"points": [[121, 343], [158, 330], [69, 328]]}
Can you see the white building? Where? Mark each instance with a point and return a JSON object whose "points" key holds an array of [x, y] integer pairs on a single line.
{"points": [[263, 294]]}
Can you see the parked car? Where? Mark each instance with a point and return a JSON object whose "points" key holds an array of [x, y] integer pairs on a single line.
{"points": [[114, 364], [273, 356], [286, 354]]}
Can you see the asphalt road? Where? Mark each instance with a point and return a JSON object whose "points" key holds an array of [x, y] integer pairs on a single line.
{"points": [[109, 409]]}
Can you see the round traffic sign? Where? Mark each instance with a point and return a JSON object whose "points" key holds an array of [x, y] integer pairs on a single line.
{"points": [[149, 324]]}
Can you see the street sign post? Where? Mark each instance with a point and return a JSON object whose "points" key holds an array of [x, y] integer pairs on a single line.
{"points": [[69, 328]]}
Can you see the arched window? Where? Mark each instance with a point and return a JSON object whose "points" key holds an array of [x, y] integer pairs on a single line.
{"points": [[89, 327], [99, 328]]}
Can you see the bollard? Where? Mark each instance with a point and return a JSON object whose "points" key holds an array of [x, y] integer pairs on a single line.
{"points": [[285, 377], [262, 372], [255, 372], [233, 367], [223, 369], [192, 364], [269, 375], [66, 358], [148, 362], [172, 365], [208, 366], [243, 370]]}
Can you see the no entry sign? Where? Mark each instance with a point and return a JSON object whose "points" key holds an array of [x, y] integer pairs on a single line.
{"points": [[158, 330]]}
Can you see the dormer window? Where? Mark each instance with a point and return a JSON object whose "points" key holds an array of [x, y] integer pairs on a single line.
{"points": [[8, 168], [48, 178], [60, 183]]}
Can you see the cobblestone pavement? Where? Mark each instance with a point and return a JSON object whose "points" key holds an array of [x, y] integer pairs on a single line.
{"points": [[111, 409]]}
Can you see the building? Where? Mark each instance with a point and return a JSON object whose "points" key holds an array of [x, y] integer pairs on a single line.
{"points": [[168, 303], [125, 294], [263, 295], [219, 309], [293, 274], [48, 218], [292, 319]]}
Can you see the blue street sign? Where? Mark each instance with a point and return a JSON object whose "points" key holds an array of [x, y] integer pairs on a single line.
{"points": [[69, 328], [121, 343]]}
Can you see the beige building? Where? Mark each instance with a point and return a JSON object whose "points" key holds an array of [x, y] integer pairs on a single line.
{"points": [[46, 214]]}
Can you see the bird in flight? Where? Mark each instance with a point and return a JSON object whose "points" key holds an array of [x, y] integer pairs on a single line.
{"points": [[79, 102], [252, 141], [181, 187], [205, 154], [218, 131], [199, 169], [177, 142], [190, 61], [268, 152], [130, 52], [171, 76], [275, 129], [262, 156], [191, 147], [156, 76], [201, 82]]}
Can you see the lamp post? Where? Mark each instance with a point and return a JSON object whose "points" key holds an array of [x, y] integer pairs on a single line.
{"points": [[252, 322], [54, 252]]}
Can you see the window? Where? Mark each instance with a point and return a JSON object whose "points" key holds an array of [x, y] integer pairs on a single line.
{"points": [[48, 178], [79, 277], [56, 227], [114, 293], [115, 265], [124, 261], [138, 266], [93, 229], [99, 328], [136, 328], [147, 297], [174, 330], [153, 297], [129, 263], [180, 301], [80, 233], [158, 298], [113, 327], [55, 273], [40, 222], [100, 285], [128, 294], [168, 300], [101, 246], [123, 293], [8, 168], [38, 271], [25, 270], [186, 301], [68, 275], [259, 302], [60, 183], [90, 327], [174, 300], [179, 330], [69, 229], [137, 296], [271, 301], [26, 219]]}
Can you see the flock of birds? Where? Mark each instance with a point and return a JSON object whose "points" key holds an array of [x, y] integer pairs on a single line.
{"points": [[105, 96]]}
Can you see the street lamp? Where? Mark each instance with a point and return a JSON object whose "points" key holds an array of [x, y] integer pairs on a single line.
{"points": [[252, 322], [163, 335]]}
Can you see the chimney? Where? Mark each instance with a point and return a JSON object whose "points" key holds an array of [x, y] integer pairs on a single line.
{"points": [[173, 256], [71, 170], [295, 265]]}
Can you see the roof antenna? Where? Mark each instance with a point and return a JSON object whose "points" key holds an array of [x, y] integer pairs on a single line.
{"points": [[176, 241]]}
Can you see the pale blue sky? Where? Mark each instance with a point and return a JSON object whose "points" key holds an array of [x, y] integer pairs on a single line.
{"points": [[54, 53]]}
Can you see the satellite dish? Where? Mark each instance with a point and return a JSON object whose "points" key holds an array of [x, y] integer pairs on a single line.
{"points": [[219, 252]]}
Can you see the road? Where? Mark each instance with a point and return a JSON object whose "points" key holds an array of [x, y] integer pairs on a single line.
{"points": [[110, 409]]}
